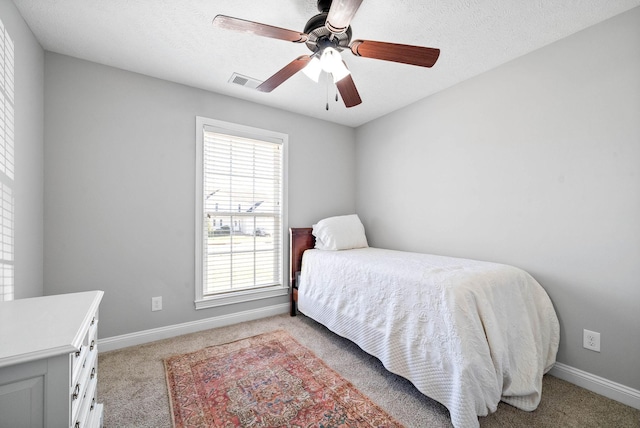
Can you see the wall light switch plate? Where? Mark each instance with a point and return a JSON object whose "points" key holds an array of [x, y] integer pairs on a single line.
{"points": [[156, 303]]}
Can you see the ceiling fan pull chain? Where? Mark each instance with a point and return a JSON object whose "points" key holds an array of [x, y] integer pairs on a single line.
{"points": [[327, 106]]}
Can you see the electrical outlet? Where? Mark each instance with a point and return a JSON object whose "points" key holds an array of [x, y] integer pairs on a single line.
{"points": [[156, 303], [591, 340]]}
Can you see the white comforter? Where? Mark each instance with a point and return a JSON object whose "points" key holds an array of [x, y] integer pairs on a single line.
{"points": [[466, 333]]}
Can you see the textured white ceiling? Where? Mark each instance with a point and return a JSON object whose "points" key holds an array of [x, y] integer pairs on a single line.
{"points": [[174, 40]]}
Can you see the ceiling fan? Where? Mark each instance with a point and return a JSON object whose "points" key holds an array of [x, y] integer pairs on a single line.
{"points": [[326, 35]]}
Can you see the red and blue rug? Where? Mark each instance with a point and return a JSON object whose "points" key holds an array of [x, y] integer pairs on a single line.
{"points": [[269, 380]]}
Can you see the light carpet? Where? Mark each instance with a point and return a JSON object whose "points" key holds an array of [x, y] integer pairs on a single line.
{"points": [[131, 383]]}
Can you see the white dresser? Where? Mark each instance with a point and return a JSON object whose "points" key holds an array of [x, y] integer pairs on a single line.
{"points": [[49, 361]]}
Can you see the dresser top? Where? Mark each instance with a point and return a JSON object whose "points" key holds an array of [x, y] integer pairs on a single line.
{"points": [[42, 327]]}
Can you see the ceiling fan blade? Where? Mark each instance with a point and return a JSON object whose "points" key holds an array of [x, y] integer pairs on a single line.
{"points": [[340, 15], [406, 54], [236, 24], [348, 91], [286, 72]]}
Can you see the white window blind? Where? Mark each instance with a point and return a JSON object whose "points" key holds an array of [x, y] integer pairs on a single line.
{"points": [[241, 203], [7, 164]]}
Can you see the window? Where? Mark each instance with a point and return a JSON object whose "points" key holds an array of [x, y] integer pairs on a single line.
{"points": [[6, 166], [240, 213]]}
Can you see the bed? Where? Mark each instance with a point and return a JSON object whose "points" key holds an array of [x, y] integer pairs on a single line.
{"points": [[466, 333]]}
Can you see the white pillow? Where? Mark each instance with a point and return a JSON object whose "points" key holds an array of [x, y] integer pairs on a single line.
{"points": [[340, 233]]}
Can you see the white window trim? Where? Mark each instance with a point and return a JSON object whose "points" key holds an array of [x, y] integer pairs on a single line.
{"points": [[202, 302]]}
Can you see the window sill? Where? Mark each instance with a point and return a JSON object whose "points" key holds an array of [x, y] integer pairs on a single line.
{"points": [[240, 297]]}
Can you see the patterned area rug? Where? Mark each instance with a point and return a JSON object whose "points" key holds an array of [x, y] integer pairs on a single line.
{"points": [[269, 380]]}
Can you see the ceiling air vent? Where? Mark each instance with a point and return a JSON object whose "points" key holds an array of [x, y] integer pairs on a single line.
{"points": [[247, 82]]}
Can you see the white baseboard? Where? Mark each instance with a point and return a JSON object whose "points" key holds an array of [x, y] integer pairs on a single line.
{"points": [[146, 336], [597, 384]]}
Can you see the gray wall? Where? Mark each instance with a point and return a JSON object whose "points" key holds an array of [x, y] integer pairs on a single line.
{"points": [[119, 186], [536, 164], [28, 182]]}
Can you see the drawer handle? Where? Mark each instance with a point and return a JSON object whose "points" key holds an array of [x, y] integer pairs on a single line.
{"points": [[77, 425], [93, 403], [78, 352], [76, 391], [93, 344], [93, 373], [93, 320]]}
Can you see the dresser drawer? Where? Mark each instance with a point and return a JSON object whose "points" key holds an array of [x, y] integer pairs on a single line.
{"points": [[82, 388], [87, 406], [79, 358]]}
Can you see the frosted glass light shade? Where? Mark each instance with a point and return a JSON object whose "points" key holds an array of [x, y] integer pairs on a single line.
{"points": [[313, 69]]}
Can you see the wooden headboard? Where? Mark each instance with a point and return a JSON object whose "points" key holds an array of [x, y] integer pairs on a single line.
{"points": [[300, 239]]}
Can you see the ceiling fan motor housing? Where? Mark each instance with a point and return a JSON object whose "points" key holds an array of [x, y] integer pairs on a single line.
{"points": [[320, 36]]}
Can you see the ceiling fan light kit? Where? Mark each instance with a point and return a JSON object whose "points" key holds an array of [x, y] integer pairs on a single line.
{"points": [[326, 35], [330, 62]]}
